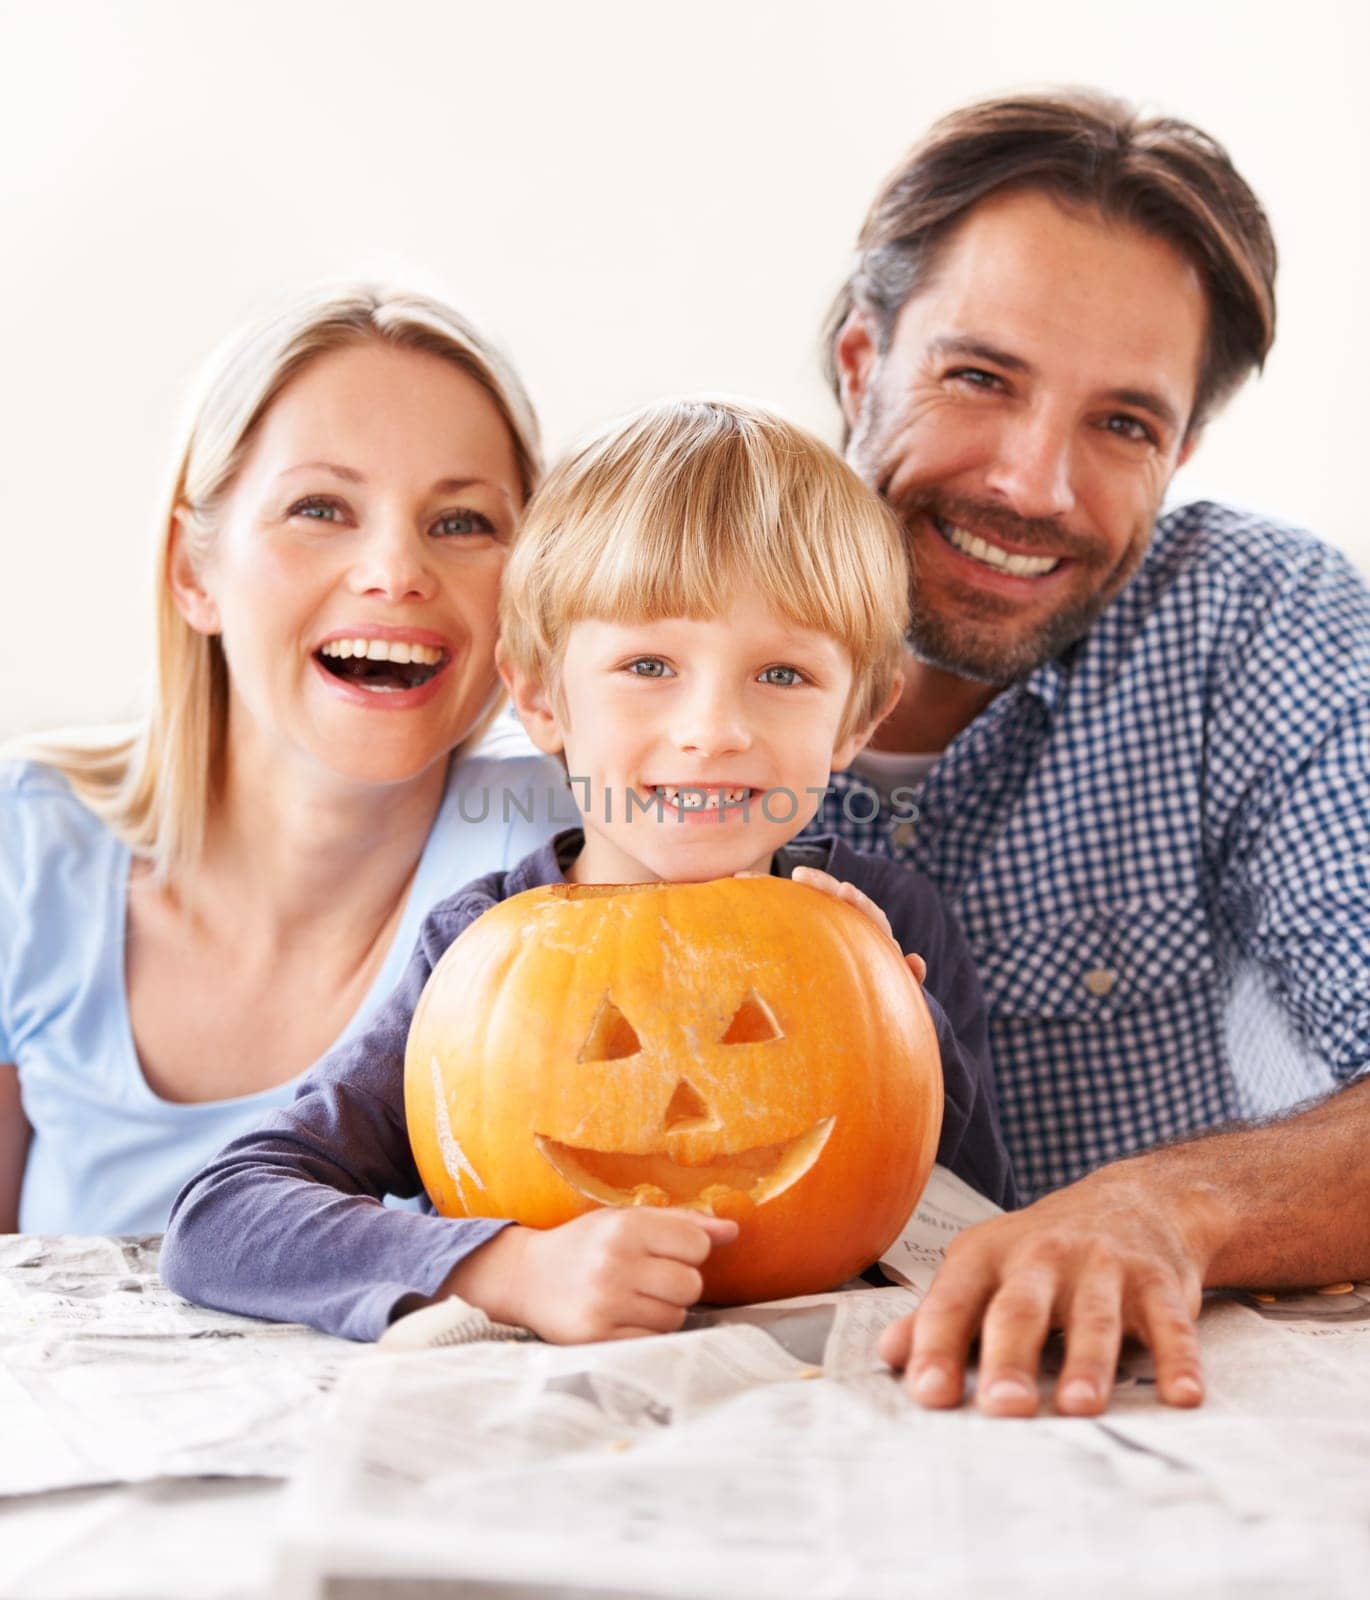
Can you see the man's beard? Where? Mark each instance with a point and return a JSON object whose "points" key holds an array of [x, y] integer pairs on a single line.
{"points": [[977, 641]]}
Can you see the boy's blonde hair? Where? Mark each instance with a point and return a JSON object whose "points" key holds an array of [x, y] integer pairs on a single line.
{"points": [[670, 512]]}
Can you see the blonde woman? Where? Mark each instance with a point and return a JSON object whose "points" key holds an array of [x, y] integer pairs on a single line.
{"points": [[191, 916]]}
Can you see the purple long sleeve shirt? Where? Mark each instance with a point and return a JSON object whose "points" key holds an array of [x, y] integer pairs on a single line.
{"points": [[287, 1222]]}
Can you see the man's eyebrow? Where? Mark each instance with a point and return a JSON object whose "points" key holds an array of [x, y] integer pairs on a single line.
{"points": [[949, 344], [1147, 400]]}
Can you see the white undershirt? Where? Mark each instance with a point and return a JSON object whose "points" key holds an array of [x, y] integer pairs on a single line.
{"points": [[888, 770]]}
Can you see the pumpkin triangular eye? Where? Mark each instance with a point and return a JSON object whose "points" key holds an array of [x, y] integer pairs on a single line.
{"points": [[752, 1022], [611, 1035]]}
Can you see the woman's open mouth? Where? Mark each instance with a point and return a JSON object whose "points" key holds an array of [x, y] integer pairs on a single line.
{"points": [[381, 666]]}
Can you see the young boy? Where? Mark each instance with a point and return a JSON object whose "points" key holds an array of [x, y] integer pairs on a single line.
{"points": [[704, 614]]}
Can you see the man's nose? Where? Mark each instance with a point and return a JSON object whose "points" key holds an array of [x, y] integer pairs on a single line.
{"points": [[1033, 468], [394, 562], [712, 721]]}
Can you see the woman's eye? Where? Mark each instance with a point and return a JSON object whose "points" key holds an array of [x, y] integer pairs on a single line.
{"points": [[458, 524], [648, 667], [781, 677], [316, 509]]}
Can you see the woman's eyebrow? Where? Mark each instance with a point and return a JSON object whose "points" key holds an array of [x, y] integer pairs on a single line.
{"points": [[349, 474]]}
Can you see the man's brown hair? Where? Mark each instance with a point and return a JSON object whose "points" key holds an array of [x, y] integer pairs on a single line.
{"points": [[1087, 150]]}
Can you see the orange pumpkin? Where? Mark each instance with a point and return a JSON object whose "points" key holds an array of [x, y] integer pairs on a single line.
{"points": [[750, 1047]]}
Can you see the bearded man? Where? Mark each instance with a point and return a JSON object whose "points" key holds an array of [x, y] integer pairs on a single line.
{"points": [[1133, 748]]}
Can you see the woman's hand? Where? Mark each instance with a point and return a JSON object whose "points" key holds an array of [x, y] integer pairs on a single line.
{"points": [[816, 878], [616, 1273]]}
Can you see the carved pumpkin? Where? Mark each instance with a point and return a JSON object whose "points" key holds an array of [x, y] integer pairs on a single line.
{"points": [[750, 1047]]}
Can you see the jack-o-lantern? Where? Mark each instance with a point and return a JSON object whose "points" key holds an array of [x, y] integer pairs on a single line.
{"points": [[750, 1047]]}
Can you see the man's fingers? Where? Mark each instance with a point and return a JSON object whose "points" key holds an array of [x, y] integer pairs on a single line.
{"points": [[896, 1343], [1165, 1322], [943, 1327], [1094, 1335], [1015, 1328]]}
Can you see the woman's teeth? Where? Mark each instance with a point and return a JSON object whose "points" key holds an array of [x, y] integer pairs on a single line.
{"points": [[397, 650], [698, 798], [381, 666], [978, 549]]}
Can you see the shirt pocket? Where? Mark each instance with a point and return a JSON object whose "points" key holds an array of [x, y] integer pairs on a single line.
{"points": [[1099, 963]]}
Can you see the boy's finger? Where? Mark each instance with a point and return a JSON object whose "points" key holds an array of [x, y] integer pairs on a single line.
{"points": [[688, 1236], [661, 1278], [918, 967]]}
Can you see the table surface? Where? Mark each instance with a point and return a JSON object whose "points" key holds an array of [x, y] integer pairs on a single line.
{"points": [[148, 1447]]}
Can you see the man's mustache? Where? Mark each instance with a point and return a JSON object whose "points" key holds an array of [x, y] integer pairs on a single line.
{"points": [[1042, 534]]}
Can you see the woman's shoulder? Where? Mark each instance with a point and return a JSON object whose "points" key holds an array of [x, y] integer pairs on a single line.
{"points": [[50, 842]]}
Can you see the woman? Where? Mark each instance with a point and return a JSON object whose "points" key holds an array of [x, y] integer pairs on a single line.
{"points": [[191, 916]]}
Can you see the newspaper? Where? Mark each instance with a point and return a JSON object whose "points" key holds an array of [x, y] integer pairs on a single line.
{"points": [[106, 1376], [765, 1451]]}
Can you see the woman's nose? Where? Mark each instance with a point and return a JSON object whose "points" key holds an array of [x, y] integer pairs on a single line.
{"points": [[393, 564], [1033, 466]]}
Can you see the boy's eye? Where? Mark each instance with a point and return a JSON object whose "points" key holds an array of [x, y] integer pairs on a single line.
{"points": [[316, 508], [781, 677], [648, 667], [461, 524]]}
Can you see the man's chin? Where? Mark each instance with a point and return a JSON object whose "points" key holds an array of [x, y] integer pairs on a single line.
{"points": [[993, 656]]}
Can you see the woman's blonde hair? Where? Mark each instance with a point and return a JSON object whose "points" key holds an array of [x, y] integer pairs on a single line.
{"points": [[667, 513], [153, 787]]}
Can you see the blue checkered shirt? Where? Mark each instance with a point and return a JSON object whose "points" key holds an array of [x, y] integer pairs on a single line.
{"points": [[1159, 846]]}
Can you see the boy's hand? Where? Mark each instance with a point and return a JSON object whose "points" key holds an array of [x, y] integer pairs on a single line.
{"points": [[816, 878], [616, 1273]]}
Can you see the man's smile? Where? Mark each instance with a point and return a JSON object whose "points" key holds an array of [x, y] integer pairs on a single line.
{"points": [[992, 555]]}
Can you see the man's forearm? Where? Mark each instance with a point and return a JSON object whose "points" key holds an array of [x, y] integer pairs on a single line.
{"points": [[1280, 1205]]}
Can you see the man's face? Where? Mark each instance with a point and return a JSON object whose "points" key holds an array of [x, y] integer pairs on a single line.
{"points": [[1024, 424]]}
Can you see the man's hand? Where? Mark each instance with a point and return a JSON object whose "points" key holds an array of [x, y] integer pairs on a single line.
{"points": [[612, 1274], [816, 878], [1099, 1260]]}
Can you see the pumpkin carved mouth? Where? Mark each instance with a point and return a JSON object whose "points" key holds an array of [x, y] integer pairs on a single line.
{"points": [[656, 1179]]}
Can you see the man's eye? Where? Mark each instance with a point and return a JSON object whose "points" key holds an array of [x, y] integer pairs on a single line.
{"points": [[976, 377], [317, 509], [458, 524], [781, 677], [1126, 427], [648, 667]]}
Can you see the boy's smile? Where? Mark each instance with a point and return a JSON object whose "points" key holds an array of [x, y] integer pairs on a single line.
{"points": [[696, 747]]}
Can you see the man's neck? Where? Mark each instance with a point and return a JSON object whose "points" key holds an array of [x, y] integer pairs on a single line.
{"points": [[933, 708]]}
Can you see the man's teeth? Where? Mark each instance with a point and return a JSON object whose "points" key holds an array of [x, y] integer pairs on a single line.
{"points": [[979, 549], [700, 799], [426, 655]]}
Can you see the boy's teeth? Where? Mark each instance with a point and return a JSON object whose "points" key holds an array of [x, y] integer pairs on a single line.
{"points": [[971, 544], [697, 799], [398, 650]]}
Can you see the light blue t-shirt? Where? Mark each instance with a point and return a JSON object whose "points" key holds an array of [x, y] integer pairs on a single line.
{"points": [[108, 1155]]}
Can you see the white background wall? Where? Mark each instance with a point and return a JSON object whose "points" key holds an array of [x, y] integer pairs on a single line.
{"points": [[634, 198]]}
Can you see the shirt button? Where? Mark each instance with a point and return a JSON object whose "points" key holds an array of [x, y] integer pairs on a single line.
{"points": [[1100, 981], [903, 835]]}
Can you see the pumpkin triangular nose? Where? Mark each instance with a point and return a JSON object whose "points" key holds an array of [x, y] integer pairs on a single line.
{"points": [[686, 1106]]}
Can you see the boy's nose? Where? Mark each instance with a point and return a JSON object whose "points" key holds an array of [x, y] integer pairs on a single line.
{"points": [[712, 724]]}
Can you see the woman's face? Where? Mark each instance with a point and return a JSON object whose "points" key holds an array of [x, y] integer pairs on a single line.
{"points": [[355, 565]]}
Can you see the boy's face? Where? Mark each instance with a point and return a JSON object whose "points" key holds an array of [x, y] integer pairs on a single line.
{"points": [[692, 745]]}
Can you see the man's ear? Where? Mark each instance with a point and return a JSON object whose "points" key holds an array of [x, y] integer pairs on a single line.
{"points": [[534, 703], [855, 354], [1190, 445], [192, 599], [846, 752]]}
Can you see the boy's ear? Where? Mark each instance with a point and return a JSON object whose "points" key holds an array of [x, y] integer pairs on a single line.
{"points": [[846, 752], [533, 702], [192, 599]]}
